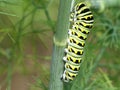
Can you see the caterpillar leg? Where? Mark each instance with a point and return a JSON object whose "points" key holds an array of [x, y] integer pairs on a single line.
{"points": [[68, 76], [64, 77]]}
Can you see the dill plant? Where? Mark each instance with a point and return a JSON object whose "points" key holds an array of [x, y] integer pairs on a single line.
{"points": [[100, 69]]}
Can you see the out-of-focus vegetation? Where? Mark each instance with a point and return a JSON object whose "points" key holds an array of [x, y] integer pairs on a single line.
{"points": [[26, 28], [26, 32]]}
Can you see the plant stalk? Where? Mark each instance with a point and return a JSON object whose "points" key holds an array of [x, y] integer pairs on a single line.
{"points": [[59, 45]]}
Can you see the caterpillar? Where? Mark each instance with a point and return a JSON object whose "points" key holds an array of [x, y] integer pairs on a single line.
{"points": [[81, 20]]}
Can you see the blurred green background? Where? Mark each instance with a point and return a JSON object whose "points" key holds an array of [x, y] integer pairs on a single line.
{"points": [[26, 28], [26, 33]]}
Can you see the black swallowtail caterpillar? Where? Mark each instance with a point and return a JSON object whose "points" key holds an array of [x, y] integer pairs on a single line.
{"points": [[81, 20]]}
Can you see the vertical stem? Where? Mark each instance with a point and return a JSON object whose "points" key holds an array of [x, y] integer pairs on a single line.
{"points": [[9, 76], [59, 45]]}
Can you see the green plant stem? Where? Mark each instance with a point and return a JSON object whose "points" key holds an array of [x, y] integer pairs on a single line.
{"points": [[100, 5], [9, 76], [59, 45]]}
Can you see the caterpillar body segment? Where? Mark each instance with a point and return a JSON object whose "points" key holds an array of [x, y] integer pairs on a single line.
{"points": [[76, 41], [71, 75], [72, 68], [77, 34], [80, 9], [72, 60], [74, 51], [81, 29], [86, 25]]}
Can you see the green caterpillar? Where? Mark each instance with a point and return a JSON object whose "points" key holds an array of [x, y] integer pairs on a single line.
{"points": [[81, 20]]}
